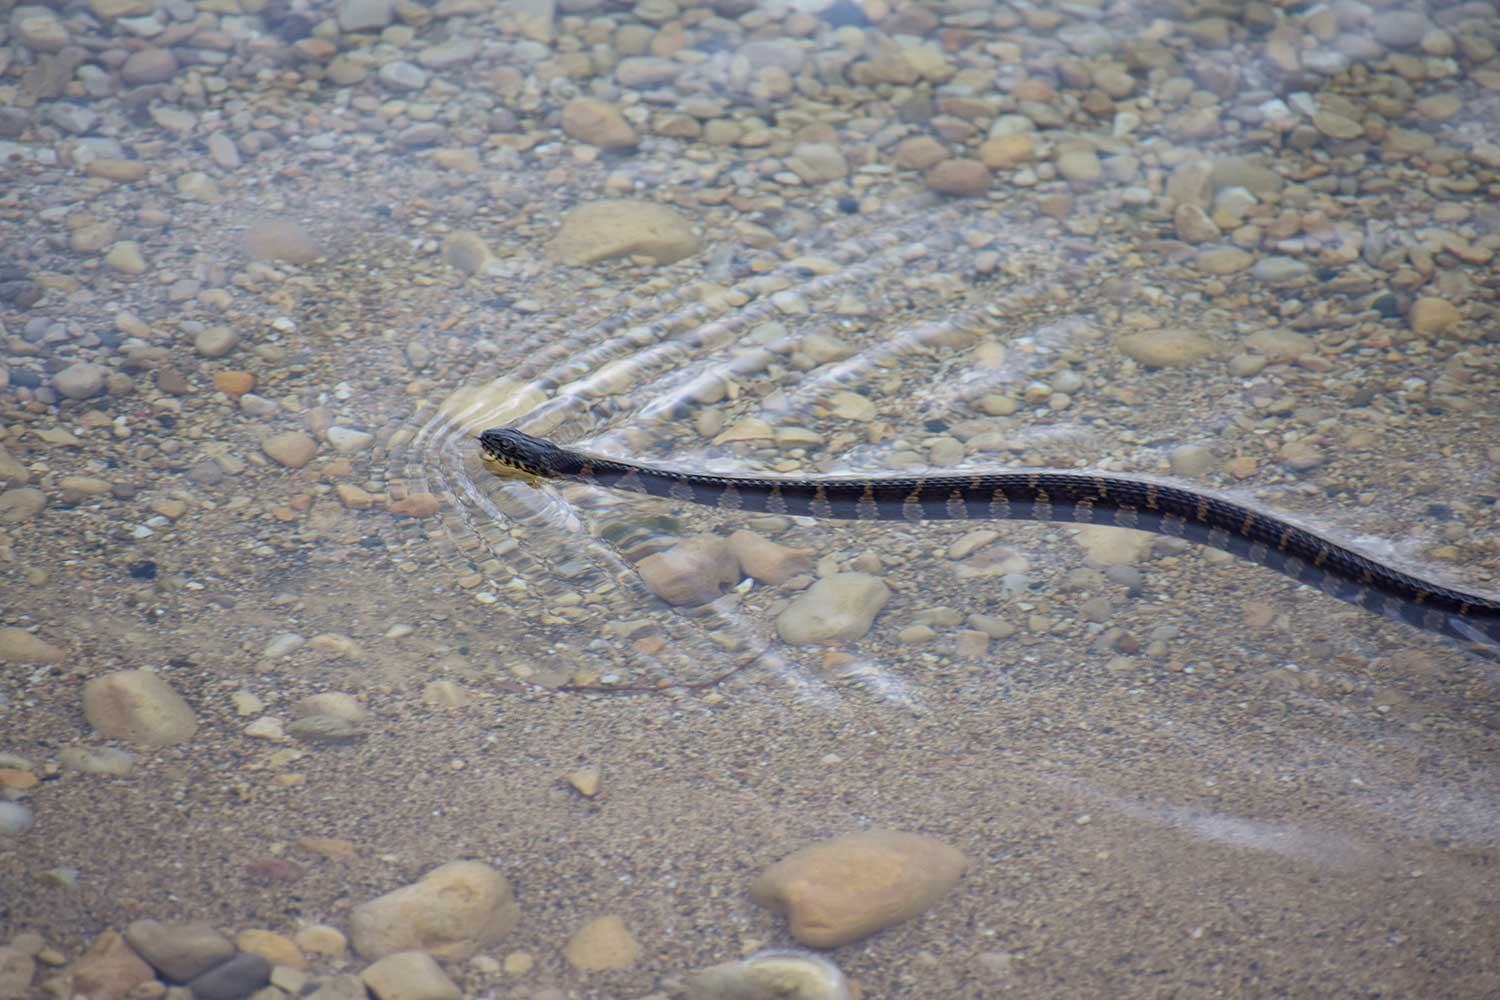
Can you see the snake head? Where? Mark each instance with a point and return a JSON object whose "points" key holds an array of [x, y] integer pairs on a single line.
{"points": [[510, 454]]}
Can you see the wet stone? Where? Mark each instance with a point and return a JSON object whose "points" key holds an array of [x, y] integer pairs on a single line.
{"points": [[292, 449], [138, 706], [838, 608], [452, 912], [109, 970], [80, 380], [179, 951], [409, 975], [602, 943], [149, 66], [17, 645], [234, 979]]}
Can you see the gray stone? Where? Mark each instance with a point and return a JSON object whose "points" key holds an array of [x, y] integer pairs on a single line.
{"points": [[80, 380], [365, 15], [402, 75], [838, 608], [179, 951], [235, 979]]}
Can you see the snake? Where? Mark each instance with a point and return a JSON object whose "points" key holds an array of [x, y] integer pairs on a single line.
{"points": [[1081, 497]]}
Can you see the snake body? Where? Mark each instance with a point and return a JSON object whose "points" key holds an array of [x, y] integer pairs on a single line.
{"points": [[1042, 495]]}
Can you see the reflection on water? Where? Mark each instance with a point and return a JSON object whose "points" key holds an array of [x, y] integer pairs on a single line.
{"points": [[268, 269]]}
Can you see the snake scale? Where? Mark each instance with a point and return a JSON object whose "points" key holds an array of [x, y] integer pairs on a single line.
{"points": [[1042, 495]]}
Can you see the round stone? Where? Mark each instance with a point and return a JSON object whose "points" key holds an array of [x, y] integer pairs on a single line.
{"points": [[80, 380], [292, 449]]}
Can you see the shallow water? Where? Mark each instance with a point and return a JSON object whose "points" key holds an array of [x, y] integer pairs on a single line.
{"points": [[1172, 773]]}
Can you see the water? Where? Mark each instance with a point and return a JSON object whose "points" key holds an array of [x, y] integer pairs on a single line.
{"points": [[1170, 771]]}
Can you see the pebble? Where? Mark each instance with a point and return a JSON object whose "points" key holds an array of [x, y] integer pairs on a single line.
{"points": [[400, 75], [466, 251], [838, 608], [959, 177], [1166, 348], [138, 706], [843, 890], [281, 240], [97, 760], [235, 979], [323, 940], [365, 15], [694, 571], [1080, 166], [21, 504], [453, 912], [292, 449], [273, 947], [1399, 29], [1003, 152], [598, 123], [771, 975], [80, 380], [347, 440], [179, 951], [12, 472], [765, 560], [216, 341], [15, 818], [323, 729], [1279, 270], [602, 943], [108, 970], [1109, 546], [125, 257], [150, 65], [336, 704], [17, 645], [605, 230], [445, 695], [1433, 317], [38, 29], [409, 975], [17, 966], [1223, 260], [1300, 456], [415, 505]]}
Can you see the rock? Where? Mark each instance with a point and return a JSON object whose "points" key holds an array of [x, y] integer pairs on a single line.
{"points": [[1399, 29], [466, 251], [21, 504], [415, 505], [332, 703], [765, 560], [692, 572], [771, 975], [15, 818], [20, 646], [216, 341], [646, 71], [598, 123], [818, 162], [838, 608], [292, 449], [323, 729], [1279, 270], [365, 15], [1193, 224], [1080, 166], [12, 472], [329, 942], [108, 970], [80, 380], [179, 951], [1300, 456], [151, 65], [1110, 546], [125, 257], [138, 706], [452, 913], [16, 967], [98, 760], [1166, 348], [1281, 345], [958, 177], [409, 975], [1010, 150], [279, 239], [604, 230], [852, 406], [843, 890], [110, 10], [401, 75], [347, 440], [602, 943], [38, 29], [1223, 260], [273, 947], [1433, 317], [234, 979]]}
